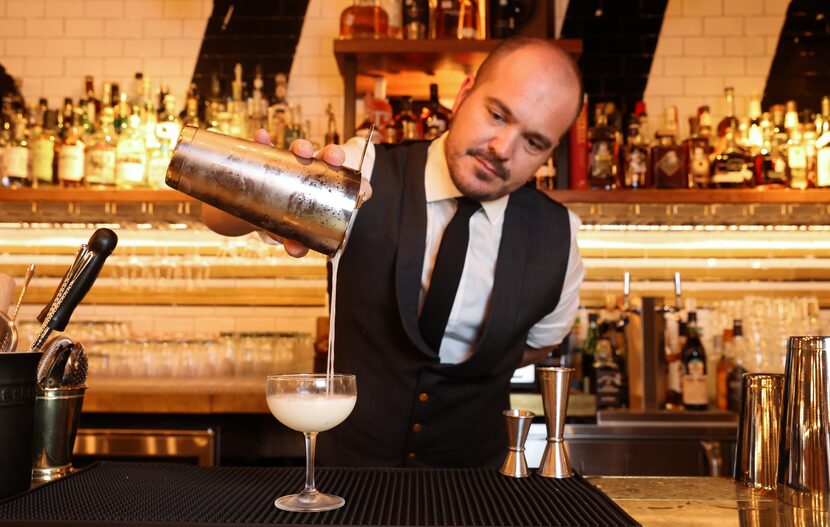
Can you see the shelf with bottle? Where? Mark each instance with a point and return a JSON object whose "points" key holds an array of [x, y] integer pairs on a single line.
{"points": [[765, 157], [411, 65]]}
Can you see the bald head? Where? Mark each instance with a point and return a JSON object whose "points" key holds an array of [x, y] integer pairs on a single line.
{"points": [[555, 66]]}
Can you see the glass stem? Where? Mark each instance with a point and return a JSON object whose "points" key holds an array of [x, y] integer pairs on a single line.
{"points": [[310, 447]]}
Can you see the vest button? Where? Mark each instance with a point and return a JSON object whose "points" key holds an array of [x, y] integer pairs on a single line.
{"points": [[423, 397], [417, 427], [411, 456]]}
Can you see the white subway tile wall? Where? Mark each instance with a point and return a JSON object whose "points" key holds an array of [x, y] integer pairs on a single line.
{"points": [[706, 45], [52, 44]]}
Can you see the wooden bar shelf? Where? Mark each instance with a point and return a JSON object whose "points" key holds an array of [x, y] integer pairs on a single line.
{"points": [[83, 195], [698, 196]]}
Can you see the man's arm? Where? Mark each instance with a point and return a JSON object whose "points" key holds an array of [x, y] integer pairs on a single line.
{"points": [[535, 355]]}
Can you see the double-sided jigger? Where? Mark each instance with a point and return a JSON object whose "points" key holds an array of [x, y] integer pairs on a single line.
{"points": [[518, 425], [555, 383]]}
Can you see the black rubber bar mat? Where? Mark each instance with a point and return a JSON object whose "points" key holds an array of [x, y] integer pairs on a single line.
{"points": [[112, 493]]}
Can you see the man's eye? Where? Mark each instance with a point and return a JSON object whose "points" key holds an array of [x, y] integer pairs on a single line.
{"points": [[534, 145], [496, 116]]}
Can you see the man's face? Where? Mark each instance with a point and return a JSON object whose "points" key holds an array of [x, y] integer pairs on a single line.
{"points": [[505, 129]]}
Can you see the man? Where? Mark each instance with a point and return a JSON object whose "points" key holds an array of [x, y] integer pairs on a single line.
{"points": [[431, 393]]}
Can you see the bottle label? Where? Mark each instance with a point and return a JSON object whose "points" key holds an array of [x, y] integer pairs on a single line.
{"points": [[608, 387], [602, 159], [71, 162], [43, 155], [669, 164], [798, 157], [17, 161], [100, 166], [733, 170], [699, 166], [694, 383], [734, 388], [130, 172], [637, 168]]}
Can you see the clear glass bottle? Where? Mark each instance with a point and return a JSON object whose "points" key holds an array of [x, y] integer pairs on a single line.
{"points": [[791, 116], [131, 156], [43, 151], [730, 120], [100, 154], [732, 168], [699, 163], [468, 20], [604, 152], [16, 157], [364, 19], [332, 137], [636, 158], [71, 155], [695, 389], [770, 161], [797, 159], [669, 159]]}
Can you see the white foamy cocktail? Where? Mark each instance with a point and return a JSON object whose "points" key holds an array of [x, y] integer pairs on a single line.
{"points": [[311, 412]]}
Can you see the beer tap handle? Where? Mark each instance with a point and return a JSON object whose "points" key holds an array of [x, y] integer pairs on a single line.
{"points": [[677, 291], [627, 291]]}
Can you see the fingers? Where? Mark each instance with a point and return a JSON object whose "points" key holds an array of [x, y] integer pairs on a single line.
{"points": [[333, 155], [261, 136], [297, 250], [302, 148], [365, 189]]}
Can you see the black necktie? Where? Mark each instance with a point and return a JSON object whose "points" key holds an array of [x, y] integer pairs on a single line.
{"points": [[446, 274]]}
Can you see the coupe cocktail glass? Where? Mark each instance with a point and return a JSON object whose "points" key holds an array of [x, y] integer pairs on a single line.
{"points": [[310, 403]]}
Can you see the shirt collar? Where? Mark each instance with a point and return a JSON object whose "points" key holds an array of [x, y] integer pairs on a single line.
{"points": [[439, 184]]}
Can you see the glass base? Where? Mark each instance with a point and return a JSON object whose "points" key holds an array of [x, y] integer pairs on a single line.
{"points": [[316, 502]]}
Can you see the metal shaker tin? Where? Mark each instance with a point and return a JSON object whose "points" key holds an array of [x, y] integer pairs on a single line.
{"points": [[304, 200]]}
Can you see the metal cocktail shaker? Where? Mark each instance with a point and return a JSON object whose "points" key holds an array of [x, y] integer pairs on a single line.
{"points": [[804, 456], [756, 460], [304, 200]]}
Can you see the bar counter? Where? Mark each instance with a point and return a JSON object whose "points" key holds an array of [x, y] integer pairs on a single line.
{"points": [[161, 494]]}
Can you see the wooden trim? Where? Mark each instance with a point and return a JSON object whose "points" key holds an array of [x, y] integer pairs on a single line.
{"points": [[701, 196], [95, 196]]}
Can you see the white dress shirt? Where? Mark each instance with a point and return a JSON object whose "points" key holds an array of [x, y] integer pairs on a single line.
{"points": [[472, 301]]}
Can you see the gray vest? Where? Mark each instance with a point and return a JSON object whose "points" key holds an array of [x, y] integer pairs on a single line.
{"points": [[411, 410]]}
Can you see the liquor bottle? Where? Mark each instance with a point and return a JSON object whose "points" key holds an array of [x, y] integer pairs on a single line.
{"points": [[43, 151], [791, 116], [191, 112], [131, 156], [364, 19], [674, 364], [394, 11], [635, 154], [416, 19], [405, 126], [293, 130], [332, 137], [71, 155], [122, 113], [436, 118], [725, 365], [770, 161], [99, 168], [735, 377], [607, 377], [68, 116], [468, 20], [603, 160], [669, 159], [106, 95], [589, 350], [93, 103], [730, 121], [755, 135], [445, 19], [138, 91], [809, 138], [166, 133], [280, 112], [578, 149], [87, 126], [732, 168], [695, 395], [503, 19], [797, 159], [823, 146], [16, 157], [699, 164]]}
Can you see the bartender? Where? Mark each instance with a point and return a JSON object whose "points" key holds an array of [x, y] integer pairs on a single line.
{"points": [[456, 272]]}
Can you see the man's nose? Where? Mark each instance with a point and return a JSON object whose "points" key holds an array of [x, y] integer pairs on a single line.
{"points": [[502, 144]]}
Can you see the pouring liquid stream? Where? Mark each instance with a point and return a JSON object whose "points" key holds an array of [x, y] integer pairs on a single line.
{"points": [[335, 264]]}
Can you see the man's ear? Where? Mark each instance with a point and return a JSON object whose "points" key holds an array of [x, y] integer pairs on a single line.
{"points": [[463, 92]]}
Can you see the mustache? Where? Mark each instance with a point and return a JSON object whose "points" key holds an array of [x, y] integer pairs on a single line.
{"points": [[493, 160]]}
